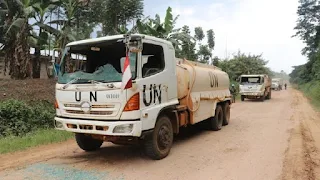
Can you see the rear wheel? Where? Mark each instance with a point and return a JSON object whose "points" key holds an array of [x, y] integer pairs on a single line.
{"points": [[226, 114], [87, 143], [158, 143], [217, 121]]}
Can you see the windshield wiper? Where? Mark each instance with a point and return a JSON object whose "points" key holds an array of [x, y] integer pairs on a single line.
{"points": [[111, 85], [95, 82], [71, 82]]}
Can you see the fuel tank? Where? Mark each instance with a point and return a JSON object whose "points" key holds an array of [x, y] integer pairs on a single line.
{"points": [[201, 87]]}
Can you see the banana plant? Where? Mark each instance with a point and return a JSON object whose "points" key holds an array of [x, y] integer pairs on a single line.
{"points": [[15, 35], [165, 30]]}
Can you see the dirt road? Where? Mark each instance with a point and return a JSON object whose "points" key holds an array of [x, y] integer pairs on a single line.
{"points": [[275, 139]]}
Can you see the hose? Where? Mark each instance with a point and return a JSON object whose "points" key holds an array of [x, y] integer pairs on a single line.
{"points": [[189, 92]]}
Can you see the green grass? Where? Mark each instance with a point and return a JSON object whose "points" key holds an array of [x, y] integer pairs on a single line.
{"points": [[39, 137], [312, 91]]}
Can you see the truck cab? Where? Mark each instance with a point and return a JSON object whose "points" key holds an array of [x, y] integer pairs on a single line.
{"points": [[255, 87], [92, 103]]}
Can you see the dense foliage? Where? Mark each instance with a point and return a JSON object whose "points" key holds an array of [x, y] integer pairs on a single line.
{"points": [[18, 118], [48, 24], [241, 63], [308, 29]]}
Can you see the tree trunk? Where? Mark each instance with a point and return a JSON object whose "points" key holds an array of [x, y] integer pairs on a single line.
{"points": [[36, 64], [21, 58]]}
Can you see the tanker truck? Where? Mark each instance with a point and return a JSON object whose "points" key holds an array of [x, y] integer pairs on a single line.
{"points": [[255, 87], [163, 93]]}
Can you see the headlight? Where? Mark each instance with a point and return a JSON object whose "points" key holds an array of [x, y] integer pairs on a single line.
{"points": [[125, 128]]}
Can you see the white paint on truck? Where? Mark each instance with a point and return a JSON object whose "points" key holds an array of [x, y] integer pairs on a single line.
{"points": [[167, 93], [255, 86]]}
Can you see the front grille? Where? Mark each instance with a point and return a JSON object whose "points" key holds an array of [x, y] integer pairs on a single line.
{"points": [[110, 109], [93, 106], [91, 112]]}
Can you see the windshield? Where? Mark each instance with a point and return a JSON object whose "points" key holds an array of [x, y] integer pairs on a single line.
{"points": [[250, 80], [103, 63]]}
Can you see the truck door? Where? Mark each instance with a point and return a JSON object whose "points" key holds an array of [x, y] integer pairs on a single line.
{"points": [[154, 83]]}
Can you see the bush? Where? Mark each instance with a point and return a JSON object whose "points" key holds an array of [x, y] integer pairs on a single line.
{"points": [[18, 118], [312, 91]]}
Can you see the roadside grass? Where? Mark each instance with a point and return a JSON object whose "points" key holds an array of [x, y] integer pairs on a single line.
{"points": [[36, 138], [312, 91]]}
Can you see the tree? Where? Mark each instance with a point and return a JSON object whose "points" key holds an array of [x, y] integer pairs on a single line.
{"points": [[308, 29], [15, 38], [187, 47], [165, 30], [210, 36], [42, 9], [215, 61], [199, 34], [204, 54], [244, 64], [112, 14]]}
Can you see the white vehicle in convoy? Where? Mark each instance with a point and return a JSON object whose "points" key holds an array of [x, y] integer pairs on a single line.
{"points": [[277, 84], [255, 87], [166, 93]]}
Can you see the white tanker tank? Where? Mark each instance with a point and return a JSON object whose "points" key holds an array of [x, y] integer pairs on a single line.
{"points": [[200, 88]]}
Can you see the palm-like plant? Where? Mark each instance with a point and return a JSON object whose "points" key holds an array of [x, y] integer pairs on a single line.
{"points": [[15, 38], [41, 13], [70, 29], [165, 30]]}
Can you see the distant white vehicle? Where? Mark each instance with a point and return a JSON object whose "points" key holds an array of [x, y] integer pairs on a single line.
{"points": [[277, 84], [255, 87]]}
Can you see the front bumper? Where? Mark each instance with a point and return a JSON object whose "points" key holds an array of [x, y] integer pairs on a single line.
{"points": [[252, 93], [97, 127]]}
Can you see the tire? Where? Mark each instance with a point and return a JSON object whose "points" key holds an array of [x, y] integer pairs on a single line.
{"points": [[262, 98], [158, 143], [269, 95], [87, 143], [217, 121], [242, 98], [226, 114]]}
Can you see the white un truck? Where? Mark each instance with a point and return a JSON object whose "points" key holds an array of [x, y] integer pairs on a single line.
{"points": [[277, 84], [166, 93], [255, 87]]}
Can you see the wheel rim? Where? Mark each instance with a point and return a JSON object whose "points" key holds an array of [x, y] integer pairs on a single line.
{"points": [[164, 139]]}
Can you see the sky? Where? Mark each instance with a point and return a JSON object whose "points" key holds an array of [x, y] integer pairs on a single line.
{"points": [[251, 26]]}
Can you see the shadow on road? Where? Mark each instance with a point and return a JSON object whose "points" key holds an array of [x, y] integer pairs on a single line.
{"points": [[116, 154]]}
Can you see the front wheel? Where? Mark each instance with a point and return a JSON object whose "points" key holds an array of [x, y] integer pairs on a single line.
{"points": [[158, 144], [226, 114], [242, 97], [87, 143], [217, 121]]}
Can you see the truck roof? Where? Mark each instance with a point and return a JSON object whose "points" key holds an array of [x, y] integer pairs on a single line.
{"points": [[115, 37], [253, 75]]}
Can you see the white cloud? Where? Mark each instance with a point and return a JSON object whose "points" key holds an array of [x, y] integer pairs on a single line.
{"points": [[253, 26]]}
